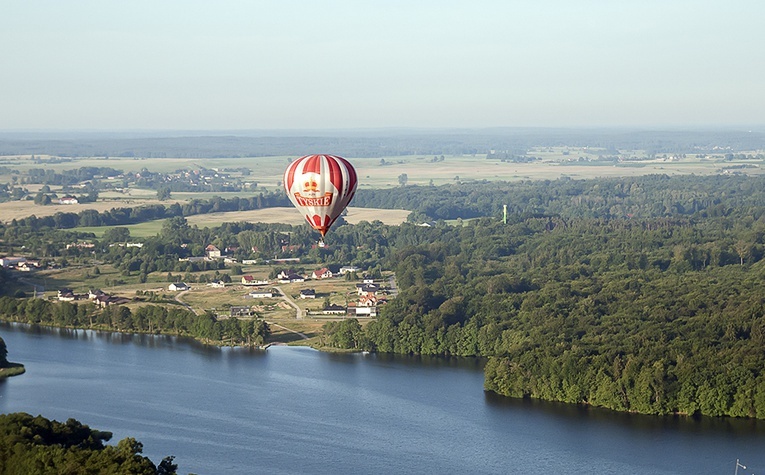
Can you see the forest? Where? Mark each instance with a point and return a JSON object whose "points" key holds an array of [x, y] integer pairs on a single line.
{"points": [[38, 445], [637, 294]]}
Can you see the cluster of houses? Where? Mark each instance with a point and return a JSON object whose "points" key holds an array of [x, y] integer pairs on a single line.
{"points": [[369, 295], [98, 297], [19, 263]]}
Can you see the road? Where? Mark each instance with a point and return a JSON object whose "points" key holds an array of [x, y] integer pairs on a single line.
{"points": [[298, 311], [392, 285], [178, 299]]}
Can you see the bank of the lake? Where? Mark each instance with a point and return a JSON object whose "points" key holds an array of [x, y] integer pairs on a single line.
{"points": [[11, 369], [297, 410]]}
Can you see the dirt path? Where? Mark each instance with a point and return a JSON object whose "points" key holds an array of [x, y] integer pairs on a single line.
{"points": [[302, 335], [189, 307], [292, 303]]}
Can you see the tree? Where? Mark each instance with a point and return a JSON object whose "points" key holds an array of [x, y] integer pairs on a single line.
{"points": [[163, 193], [402, 179], [118, 234]]}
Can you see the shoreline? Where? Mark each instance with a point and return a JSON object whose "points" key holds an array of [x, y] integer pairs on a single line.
{"points": [[12, 369]]}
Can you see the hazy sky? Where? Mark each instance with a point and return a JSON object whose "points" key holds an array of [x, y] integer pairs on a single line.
{"points": [[226, 64]]}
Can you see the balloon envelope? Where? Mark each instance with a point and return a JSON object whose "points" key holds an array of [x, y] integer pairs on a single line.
{"points": [[320, 187]]}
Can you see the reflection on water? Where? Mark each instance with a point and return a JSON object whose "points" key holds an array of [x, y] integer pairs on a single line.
{"points": [[639, 422], [141, 339]]}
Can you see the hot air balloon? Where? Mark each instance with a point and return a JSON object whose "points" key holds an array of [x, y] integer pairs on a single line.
{"points": [[320, 187]]}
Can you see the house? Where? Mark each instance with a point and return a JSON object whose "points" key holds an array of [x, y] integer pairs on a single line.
{"points": [[345, 269], [308, 294], [285, 274], [212, 252], [68, 200], [367, 301], [229, 260], [94, 294], [250, 280], [12, 261], [362, 311], [217, 284], [249, 261], [261, 294], [241, 312], [290, 278], [104, 300], [334, 310], [367, 279], [322, 273], [367, 289], [178, 286], [66, 295]]}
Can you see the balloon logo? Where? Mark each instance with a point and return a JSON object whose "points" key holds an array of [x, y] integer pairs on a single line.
{"points": [[320, 187]]}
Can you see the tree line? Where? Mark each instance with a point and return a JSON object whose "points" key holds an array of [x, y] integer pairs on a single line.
{"points": [[153, 319], [140, 214]]}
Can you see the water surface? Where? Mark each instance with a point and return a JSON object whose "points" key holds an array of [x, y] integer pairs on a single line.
{"points": [[296, 410]]}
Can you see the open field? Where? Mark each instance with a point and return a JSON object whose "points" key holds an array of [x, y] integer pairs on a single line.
{"points": [[292, 216], [20, 209], [268, 215], [420, 169], [373, 173]]}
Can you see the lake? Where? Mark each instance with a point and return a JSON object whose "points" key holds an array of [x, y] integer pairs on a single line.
{"points": [[296, 410]]}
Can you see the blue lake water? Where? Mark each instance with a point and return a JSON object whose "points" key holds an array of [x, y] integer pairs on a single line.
{"points": [[295, 410]]}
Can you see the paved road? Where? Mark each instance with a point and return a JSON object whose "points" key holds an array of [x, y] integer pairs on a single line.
{"points": [[392, 285]]}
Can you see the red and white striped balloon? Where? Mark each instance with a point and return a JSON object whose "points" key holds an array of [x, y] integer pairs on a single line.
{"points": [[320, 187]]}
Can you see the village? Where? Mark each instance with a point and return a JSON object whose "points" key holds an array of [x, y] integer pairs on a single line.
{"points": [[263, 290]]}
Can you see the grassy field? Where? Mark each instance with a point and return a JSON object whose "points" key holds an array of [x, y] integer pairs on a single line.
{"points": [[420, 170], [20, 209], [268, 215]]}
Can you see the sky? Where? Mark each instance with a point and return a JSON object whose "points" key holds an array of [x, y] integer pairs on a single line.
{"points": [[297, 64]]}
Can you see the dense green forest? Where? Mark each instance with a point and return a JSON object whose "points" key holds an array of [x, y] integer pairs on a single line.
{"points": [[36, 445], [661, 312]]}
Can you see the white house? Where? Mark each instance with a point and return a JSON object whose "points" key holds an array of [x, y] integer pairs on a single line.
{"points": [[178, 286], [261, 294], [68, 200], [12, 261], [363, 311], [345, 269]]}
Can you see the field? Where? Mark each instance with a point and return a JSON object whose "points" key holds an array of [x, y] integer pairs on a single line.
{"points": [[420, 169], [268, 215], [555, 162], [20, 209]]}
